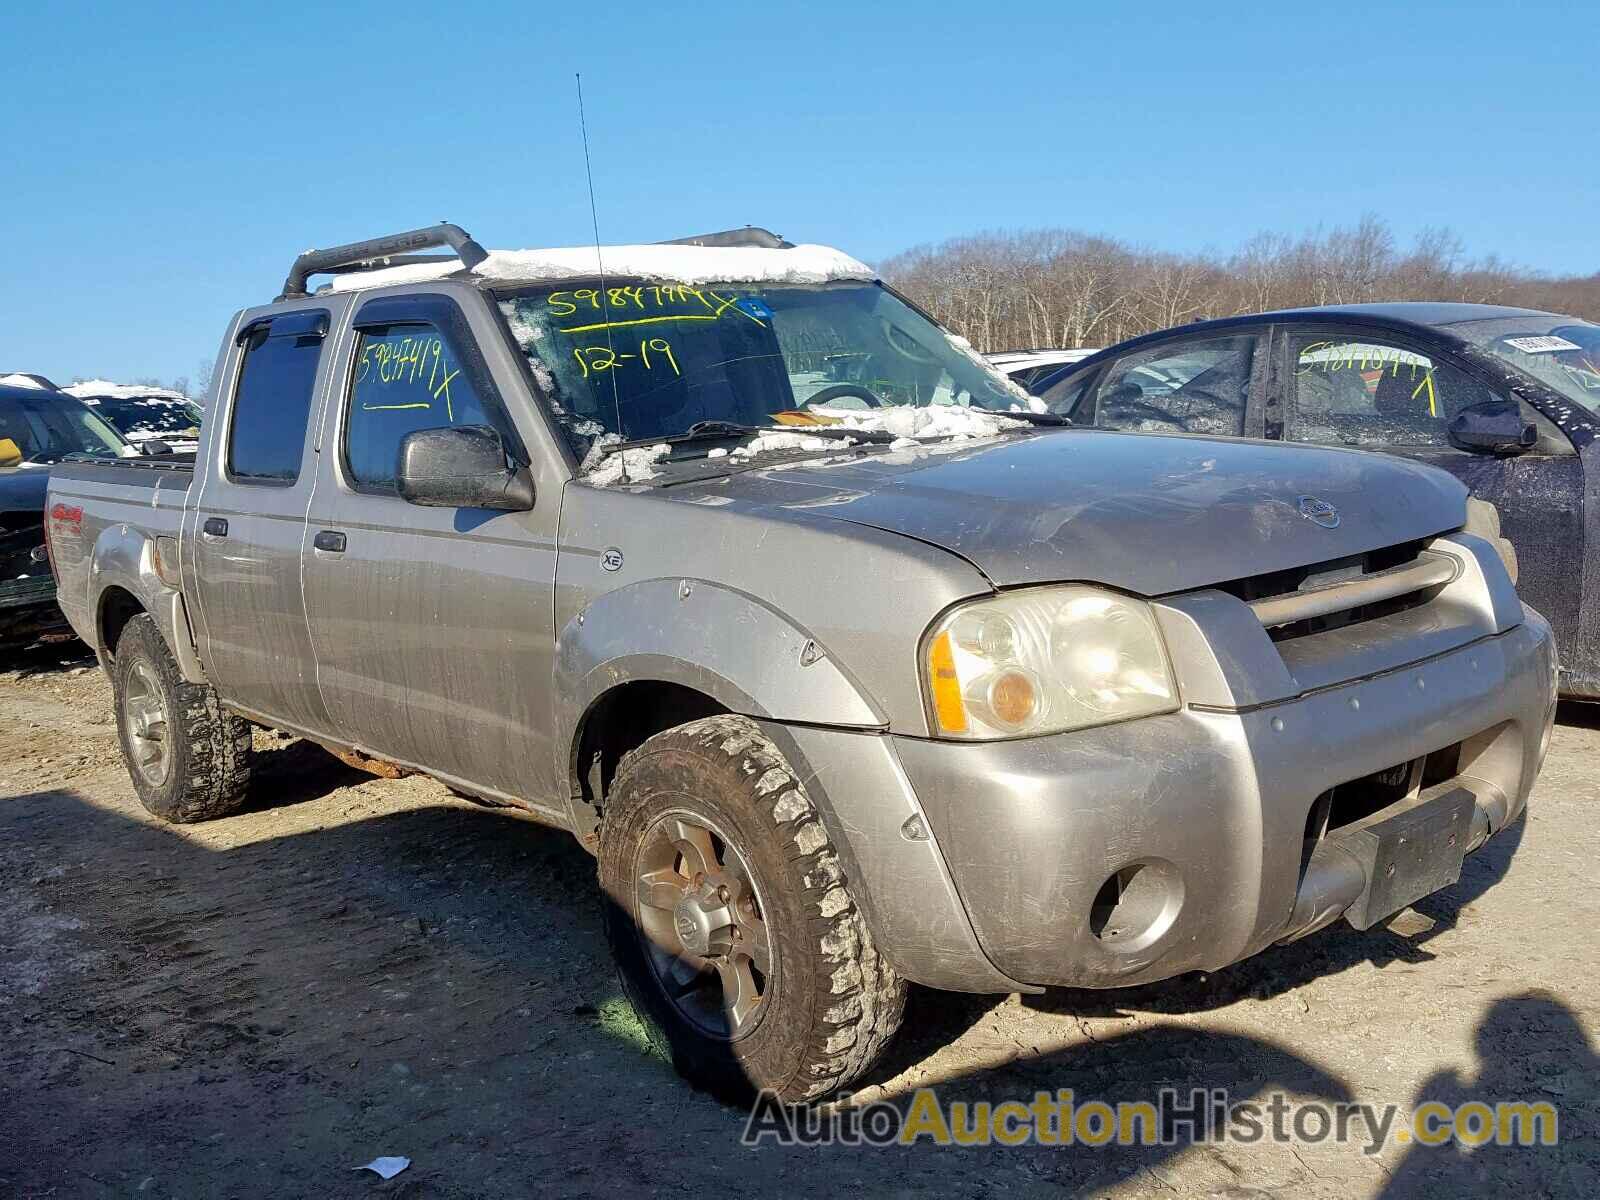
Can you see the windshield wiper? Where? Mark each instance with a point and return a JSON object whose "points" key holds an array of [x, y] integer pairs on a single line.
{"points": [[1044, 418]]}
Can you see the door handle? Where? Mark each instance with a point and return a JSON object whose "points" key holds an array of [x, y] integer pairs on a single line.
{"points": [[216, 527], [330, 540]]}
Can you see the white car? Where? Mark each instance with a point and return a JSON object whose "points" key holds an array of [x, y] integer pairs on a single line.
{"points": [[1026, 367]]}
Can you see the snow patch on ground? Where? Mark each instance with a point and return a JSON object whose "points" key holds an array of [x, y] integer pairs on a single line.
{"points": [[681, 264]]}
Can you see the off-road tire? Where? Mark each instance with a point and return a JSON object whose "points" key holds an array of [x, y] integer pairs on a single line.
{"points": [[833, 1002], [209, 766]]}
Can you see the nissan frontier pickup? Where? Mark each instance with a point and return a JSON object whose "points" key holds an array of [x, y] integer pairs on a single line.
{"points": [[849, 666]]}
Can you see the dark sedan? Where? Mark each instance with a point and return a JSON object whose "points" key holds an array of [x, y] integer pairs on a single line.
{"points": [[1505, 399], [39, 427]]}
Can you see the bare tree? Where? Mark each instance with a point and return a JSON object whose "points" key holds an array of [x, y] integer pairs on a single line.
{"points": [[1061, 287]]}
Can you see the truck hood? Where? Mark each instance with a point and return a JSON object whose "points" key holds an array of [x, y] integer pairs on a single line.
{"points": [[1147, 514]]}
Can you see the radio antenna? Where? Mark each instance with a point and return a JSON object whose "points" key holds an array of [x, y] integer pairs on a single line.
{"points": [[605, 295]]}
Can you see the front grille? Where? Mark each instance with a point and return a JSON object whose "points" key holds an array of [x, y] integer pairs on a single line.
{"points": [[1283, 583], [1347, 591]]}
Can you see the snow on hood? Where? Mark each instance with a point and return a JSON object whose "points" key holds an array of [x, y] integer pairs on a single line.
{"points": [[21, 381], [692, 265], [93, 389], [603, 467], [909, 422]]}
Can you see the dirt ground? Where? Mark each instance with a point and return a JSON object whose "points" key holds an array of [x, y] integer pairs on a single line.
{"points": [[357, 967]]}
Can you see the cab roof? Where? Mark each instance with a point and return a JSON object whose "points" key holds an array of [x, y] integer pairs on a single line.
{"points": [[748, 255]]}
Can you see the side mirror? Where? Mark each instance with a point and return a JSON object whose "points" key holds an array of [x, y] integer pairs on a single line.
{"points": [[155, 446], [461, 467], [1493, 427]]}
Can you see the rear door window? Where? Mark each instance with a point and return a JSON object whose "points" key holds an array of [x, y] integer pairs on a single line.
{"points": [[272, 402], [1200, 386]]}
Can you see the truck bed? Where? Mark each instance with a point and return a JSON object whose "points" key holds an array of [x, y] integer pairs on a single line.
{"points": [[127, 500]]}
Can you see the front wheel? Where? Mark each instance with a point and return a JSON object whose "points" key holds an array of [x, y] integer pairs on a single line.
{"points": [[735, 933], [188, 756]]}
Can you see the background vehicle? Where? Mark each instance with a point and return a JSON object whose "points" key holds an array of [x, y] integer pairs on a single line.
{"points": [[925, 689], [1505, 399], [1027, 367], [143, 414], [39, 428], [25, 379]]}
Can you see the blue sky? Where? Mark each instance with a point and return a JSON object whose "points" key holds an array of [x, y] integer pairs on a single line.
{"points": [[163, 164]]}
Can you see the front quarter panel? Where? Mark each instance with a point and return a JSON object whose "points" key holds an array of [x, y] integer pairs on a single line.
{"points": [[730, 645], [776, 614]]}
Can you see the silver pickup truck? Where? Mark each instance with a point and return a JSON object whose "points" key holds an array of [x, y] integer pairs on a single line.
{"points": [[848, 666]]}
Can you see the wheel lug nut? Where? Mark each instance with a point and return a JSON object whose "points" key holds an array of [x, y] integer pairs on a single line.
{"points": [[722, 893]]}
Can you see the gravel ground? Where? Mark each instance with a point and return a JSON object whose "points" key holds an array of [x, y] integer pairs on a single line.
{"points": [[357, 967]]}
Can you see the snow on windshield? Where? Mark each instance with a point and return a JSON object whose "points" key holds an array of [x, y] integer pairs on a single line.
{"points": [[910, 426], [21, 381]]}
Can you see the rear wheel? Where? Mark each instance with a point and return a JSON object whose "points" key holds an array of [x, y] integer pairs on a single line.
{"points": [[188, 756], [734, 930]]}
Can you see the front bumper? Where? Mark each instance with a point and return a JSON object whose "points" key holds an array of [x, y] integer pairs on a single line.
{"points": [[979, 864], [1212, 809]]}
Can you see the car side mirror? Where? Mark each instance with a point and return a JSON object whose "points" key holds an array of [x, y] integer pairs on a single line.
{"points": [[461, 467], [155, 446], [1493, 427]]}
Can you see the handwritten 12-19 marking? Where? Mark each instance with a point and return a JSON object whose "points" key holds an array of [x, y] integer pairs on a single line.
{"points": [[594, 359]]}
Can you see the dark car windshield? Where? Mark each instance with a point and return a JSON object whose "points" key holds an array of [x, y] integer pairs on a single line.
{"points": [[148, 414], [48, 427], [650, 360], [1563, 352]]}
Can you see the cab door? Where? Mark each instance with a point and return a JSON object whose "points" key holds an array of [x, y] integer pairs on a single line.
{"points": [[247, 527], [433, 627]]}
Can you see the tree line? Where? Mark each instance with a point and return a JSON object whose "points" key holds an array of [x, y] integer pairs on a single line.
{"points": [[1061, 288]]}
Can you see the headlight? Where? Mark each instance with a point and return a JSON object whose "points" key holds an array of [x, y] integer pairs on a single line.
{"points": [[1044, 660]]}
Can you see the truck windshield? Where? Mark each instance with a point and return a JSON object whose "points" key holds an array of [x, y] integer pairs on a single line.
{"points": [[49, 428], [649, 360], [1563, 352]]}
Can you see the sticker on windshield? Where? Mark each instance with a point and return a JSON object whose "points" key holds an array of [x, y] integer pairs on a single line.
{"points": [[755, 307], [1547, 344]]}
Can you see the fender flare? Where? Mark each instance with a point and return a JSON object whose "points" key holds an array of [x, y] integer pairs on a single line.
{"points": [[724, 643], [124, 558]]}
